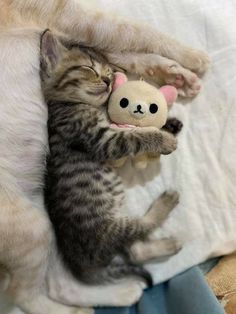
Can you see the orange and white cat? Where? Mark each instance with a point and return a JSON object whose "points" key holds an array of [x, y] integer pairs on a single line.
{"points": [[30, 270]]}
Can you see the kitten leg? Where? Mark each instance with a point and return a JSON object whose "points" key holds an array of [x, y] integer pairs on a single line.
{"points": [[106, 32], [63, 287], [113, 144], [142, 252], [124, 230], [159, 69], [159, 211], [162, 207]]}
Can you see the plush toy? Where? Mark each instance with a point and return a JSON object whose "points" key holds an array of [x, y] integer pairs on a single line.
{"points": [[138, 104]]}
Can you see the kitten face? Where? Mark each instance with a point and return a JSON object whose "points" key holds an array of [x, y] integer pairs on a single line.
{"points": [[73, 74]]}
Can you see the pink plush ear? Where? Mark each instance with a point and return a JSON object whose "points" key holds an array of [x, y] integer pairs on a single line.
{"points": [[170, 93], [120, 79]]}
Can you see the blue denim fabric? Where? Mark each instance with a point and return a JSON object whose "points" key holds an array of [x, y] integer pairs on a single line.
{"points": [[187, 293]]}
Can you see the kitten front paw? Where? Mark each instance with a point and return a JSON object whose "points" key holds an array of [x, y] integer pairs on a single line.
{"points": [[173, 126], [169, 143]]}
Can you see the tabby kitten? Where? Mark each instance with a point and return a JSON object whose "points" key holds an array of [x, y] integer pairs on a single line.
{"points": [[84, 195]]}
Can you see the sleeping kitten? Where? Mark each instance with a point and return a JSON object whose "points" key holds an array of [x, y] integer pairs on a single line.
{"points": [[84, 195], [25, 230]]}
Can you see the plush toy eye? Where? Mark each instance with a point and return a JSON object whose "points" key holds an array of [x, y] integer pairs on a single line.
{"points": [[124, 103], [153, 108]]}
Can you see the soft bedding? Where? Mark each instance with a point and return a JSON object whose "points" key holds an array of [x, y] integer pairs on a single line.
{"points": [[203, 169], [186, 293]]}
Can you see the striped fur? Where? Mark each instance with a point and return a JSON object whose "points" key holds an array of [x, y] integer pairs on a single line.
{"points": [[84, 195], [23, 142]]}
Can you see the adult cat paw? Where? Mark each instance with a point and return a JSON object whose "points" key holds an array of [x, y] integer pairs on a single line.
{"points": [[165, 71], [196, 60]]}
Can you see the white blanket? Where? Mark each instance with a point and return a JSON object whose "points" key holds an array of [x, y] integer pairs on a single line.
{"points": [[203, 169]]}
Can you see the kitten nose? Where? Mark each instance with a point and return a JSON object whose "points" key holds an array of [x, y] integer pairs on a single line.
{"points": [[139, 107], [106, 80]]}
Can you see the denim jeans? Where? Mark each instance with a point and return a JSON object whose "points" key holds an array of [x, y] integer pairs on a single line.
{"points": [[187, 293]]}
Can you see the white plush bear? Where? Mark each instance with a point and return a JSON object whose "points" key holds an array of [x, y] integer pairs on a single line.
{"points": [[139, 104]]}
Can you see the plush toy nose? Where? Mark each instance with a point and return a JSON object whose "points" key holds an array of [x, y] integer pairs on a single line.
{"points": [[138, 110]]}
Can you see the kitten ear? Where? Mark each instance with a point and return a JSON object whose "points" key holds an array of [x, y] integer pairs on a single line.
{"points": [[51, 51]]}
